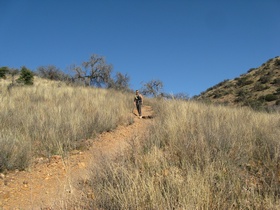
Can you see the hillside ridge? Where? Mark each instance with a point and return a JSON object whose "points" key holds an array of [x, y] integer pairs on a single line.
{"points": [[258, 88]]}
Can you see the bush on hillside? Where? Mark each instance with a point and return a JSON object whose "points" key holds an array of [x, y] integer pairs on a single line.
{"points": [[259, 87], [251, 69], [26, 76], [3, 71], [277, 92], [52, 73], [277, 102], [254, 104], [268, 97], [244, 81], [264, 79], [276, 82], [120, 82], [277, 62], [221, 83]]}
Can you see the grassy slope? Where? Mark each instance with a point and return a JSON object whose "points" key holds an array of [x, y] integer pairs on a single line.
{"points": [[51, 118], [196, 156]]}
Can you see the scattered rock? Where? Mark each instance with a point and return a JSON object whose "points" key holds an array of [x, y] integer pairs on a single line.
{"points": [[90, 195], [75, 152], [40, 160], [68, 191], [81, 165], [2, 176], [56, 157]]}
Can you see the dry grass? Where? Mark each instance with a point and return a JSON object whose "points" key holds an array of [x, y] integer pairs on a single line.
{"points": [[52, 118], [195, 156]]}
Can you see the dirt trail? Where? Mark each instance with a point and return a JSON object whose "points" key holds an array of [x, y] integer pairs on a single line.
{"points": [[48, 183]]}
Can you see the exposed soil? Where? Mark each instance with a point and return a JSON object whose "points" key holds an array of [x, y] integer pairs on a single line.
{"points": [[49, 183]]}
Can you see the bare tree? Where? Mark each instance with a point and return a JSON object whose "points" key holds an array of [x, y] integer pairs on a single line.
{"points": [[13, 73], [177, 96], [121, 82], [81, 75], [51, 72], [99, 70], [153, 87]]}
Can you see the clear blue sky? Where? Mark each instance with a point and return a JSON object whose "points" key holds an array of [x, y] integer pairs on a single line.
{"points": [[190, 45]]}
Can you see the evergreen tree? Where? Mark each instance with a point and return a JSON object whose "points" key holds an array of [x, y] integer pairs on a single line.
{"points": [[26, 76]]}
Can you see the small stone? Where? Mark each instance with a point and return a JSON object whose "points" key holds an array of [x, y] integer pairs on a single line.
{"points": [[82, 165], [2, 176], [75, 152], [90, 196], [56, 158]]}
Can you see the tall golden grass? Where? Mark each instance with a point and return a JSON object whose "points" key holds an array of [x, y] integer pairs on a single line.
{"points": [[52, 118], [195, 156]]}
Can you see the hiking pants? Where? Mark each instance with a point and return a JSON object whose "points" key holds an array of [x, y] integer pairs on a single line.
{"points": [[138, 106]]}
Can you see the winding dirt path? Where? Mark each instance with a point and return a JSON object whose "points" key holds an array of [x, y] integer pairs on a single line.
{"points": [[49, 183]]}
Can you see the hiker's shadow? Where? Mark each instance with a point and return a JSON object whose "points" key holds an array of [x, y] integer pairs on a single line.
{"points": [[145, 117]]}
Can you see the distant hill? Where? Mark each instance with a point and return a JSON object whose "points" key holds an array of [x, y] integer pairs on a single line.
{"points": [[258, 88]]}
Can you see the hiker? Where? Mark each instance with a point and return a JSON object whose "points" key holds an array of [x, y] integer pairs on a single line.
{"points": [[138, 101]]}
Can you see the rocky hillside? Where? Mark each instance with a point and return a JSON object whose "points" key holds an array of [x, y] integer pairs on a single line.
{"points": [[259, 88]]}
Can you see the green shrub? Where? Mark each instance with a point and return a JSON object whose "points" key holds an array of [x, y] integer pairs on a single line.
{"points": [[259, 87], [251, 69], [248, 82], [277, 62], [268, 97], [264, 79], [241, 93], [221, 83], [26, 76], [254, 104], [243, 81], [277, 91], [276, 82], [3, 71]]}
